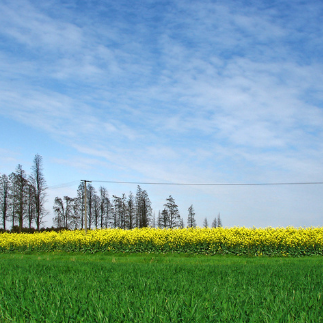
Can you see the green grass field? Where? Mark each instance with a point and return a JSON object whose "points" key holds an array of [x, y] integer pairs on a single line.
{"points": [[62, 287]]}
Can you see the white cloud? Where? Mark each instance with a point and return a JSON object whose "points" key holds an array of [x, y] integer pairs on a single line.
{"points": [[209, 92], [29, 26]]}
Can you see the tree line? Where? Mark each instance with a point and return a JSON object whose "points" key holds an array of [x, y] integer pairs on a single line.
{"points": [[22, 199], [125, 212], [103, 211]]}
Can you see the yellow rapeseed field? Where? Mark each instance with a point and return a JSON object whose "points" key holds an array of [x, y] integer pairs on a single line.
{"points": [[238, 240]]}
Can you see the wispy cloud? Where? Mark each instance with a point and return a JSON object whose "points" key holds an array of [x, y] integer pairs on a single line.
{"points": [[181, 91]]}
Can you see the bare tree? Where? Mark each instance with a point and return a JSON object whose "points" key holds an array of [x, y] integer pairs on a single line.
{"points": [[146, 210], [108, 212], [38, 181], [143, 208], [123, 212], [59, 210], [159, 220], [205, 223], [80, 202], [91, 193], [153, 221], [69, 202], [4, 199], [219, 221], [30, 205], [173, 213], [103, 201], [117, 209], [138, 205], [13, 196], [75, 216], [64, 211], [96, 210], [131, 211], [191, 222], [214, 223], [163, 219], [21, 184]]}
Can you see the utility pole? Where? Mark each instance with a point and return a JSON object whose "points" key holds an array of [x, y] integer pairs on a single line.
{"points": [[85, 215]]}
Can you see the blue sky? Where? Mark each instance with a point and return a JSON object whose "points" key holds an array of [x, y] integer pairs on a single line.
{"points": [[170, 91]]}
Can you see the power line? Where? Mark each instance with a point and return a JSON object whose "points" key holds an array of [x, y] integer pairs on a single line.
{"points": [[212, 184], [188, 184]]}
